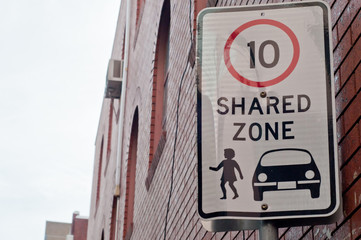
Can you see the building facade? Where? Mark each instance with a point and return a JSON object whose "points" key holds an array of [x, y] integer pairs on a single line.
{"points": [[145, 167]]}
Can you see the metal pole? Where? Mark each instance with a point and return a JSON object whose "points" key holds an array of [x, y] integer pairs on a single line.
{"points": [[268, 231]]}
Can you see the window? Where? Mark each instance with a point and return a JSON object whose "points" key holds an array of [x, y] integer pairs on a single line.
{"points": [[131, 176], [99, 172], [159, 94], [140, 9], [113, 219], [140, 5], [109, 138]]}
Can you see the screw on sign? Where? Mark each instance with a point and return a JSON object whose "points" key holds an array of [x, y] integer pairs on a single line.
{"points": [[266, 115]]}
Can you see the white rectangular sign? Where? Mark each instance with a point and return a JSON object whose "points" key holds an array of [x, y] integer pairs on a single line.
{"points": [[266, 122]]}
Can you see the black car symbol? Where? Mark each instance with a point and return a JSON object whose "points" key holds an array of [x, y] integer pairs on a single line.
{"points": [[286, 169]]}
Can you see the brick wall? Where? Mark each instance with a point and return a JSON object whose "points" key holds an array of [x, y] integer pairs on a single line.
{"points": [[100, 213], [152, 185]]}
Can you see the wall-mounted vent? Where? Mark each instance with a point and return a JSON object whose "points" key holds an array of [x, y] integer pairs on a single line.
{"points": [[114, 78]]}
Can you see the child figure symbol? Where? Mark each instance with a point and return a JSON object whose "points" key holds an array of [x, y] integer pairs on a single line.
{"points": [[229, 165]]}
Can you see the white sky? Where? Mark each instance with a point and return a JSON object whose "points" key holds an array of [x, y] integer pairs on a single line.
{"points": [[53, 61]]}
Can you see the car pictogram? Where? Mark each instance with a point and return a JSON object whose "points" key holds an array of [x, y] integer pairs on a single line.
{"points": [[286, 169]]}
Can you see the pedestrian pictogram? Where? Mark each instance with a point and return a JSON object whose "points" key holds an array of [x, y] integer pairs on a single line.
{"points": [[266, 121], [229, 166]]}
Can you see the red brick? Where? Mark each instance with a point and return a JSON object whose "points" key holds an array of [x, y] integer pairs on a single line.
{"points": [[352, 198], [344, 22], [294, 233], [306, 229], [335, 37], [323, 231], [351, 62], [337, 9], [251, 234], [308, 236], [340, 129], [344, 232], [354, 6], [358, 78], [236, 235], [359, 124], [330, 2], [200, 233], [208, 236], [350, 143], [218, 235], [337, 81], [345, 95], [342, 49], [352, 113], [227, 236], [348, 15], [352, 170], [355, 225], [356, 27], [282, 231], [247, 233]]}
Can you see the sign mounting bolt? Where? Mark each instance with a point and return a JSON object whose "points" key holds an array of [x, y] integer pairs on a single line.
{"points": [[263, 94], [264, 206]]}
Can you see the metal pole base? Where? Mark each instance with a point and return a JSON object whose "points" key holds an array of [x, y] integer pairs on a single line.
{"points": [[268, 231]]}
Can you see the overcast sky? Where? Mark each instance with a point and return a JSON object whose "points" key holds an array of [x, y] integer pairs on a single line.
{"points": [[53, 61]]}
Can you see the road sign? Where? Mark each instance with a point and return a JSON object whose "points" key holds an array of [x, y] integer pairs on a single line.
{"points": [[266, 122]]}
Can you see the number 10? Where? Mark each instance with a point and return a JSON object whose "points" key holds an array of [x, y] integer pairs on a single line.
{"points": [[262, 61]]}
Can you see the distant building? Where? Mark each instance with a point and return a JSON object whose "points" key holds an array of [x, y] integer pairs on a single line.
{"points": [[145, 167], [77, 230], [57, 230]]}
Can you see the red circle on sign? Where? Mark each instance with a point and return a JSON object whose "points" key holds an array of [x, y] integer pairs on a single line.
{"points": [[286, 73]]}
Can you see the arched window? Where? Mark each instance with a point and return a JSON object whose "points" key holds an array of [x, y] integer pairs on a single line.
{"points": [[160, 75], [99, 172], [131, 173], [113, 220], [140, 5], [109, 136]]}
